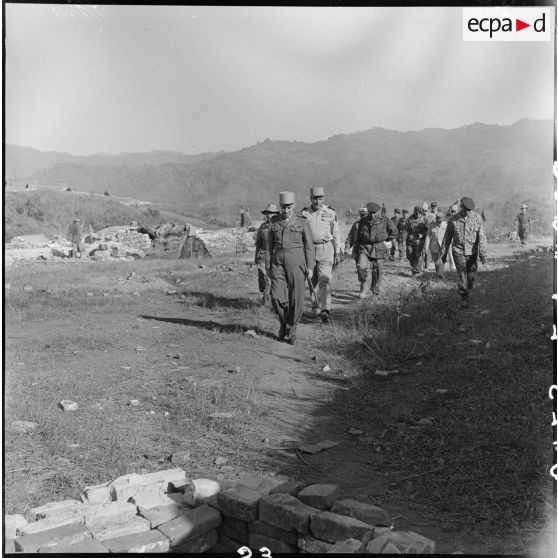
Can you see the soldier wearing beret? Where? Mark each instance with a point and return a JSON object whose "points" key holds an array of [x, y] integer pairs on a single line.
{"points": [[465, 235], [373, 233], [261, 251], [416, 228], [327, 249], [289, 257]]}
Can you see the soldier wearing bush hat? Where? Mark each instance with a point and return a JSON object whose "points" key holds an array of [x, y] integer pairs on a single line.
{"points": [[416, 228], [261, 251], [373, 232], [465, 235], [523, 225], [289, 257], [327, 249]]}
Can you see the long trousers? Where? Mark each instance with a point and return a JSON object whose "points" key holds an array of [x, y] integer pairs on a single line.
{"points": [[321, 276], [376, 267], [414, 255], [437, 261], [466, 267], [264, 282]]}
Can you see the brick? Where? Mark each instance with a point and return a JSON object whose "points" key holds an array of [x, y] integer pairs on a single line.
{"points": [[197, 491], [190, 524], [234, 528], [162, 514], [373, 515], [118, 526], [285, 512], [66, 534], [409, 542], [292, 488], [11, 523], [200, 544], [348, 546], [98, 494], [239, 502], [390, 549], [101, 512], [87, 546], [59, 520], [275, 545], [123, 487], [54, 508], [227, 544], [320, 496], [9, 546], [309, 544], [332, 527], [261, 528], [150, 497], [259, 484], [150, 541]]}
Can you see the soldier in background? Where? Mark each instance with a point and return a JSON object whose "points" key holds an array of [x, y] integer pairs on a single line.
{"points": [[523, 225], [73, 235], [351, 241], [261, 251], [290, 256], [416, 228], [396, 218], [327, 249], [465, 235], [435, 241], [242, 216], [402, 232], [373, 233]]}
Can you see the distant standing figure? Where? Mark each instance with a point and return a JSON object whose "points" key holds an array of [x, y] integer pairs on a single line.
{"points": [[465, 235], [261, 251], [523, 225], [242, 216], [73, 235], [247, 220], [396, 218], [416, 228], [289, 258]]}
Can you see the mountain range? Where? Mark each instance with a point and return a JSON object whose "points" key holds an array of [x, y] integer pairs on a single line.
{"points": [[490, 163]]}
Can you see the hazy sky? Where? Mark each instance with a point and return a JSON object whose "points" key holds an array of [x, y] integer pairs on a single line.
{"points": [[89, 79]]}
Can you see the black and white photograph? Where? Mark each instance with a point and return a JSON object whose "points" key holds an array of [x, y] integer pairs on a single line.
{"points": [[280, 279]]}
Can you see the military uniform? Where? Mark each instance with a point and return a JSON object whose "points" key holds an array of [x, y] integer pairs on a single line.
{"points": [[435, 244], [327, 241], [395, 220], [259, 259], [73, 235], [372, 234], [523, 226], [416, 229], [289, 257]]}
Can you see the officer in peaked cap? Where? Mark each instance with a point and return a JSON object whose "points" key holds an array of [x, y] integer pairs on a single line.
{"points": [[373, 232], [261, 251], [289, 258], [467, 240], [327, 249]]}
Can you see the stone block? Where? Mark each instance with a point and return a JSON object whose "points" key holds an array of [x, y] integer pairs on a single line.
{"points": [[98, 494], [226, 545], [149, 497], [150, 541], [332, 527], [67, 534], [11, 523], [199, 544], [348, 546], [122, 487], [190, 524], [100, 512], [286, 512], [292, 488], [87, 546], [320, 496], [118, 526], [198, 491], [259, 484], [162, 514], [309, 544], [234, 528], [71, 517], [261, 528], [373, 515], [409, 542], [54, 508], [9, 546], [275, 545], [239, 502]]}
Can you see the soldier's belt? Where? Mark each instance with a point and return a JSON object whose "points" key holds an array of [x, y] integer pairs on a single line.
{"points": [[322, 242]]}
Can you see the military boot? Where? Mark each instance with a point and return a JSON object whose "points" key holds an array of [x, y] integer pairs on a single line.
{"points": [[364, 292]]}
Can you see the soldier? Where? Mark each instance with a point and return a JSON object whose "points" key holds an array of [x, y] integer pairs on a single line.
{"points": [[289, 256], [434, 242], [327, 249], [351, 241], [242, 216], [522, 223], [396, 218], [416, 228], [73, 234], [261, 250], [465, 235], [372, 234], [429, 217], [402, 232]]}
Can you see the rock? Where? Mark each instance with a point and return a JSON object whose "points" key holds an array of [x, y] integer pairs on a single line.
{"points": [[118, 526], [198, 545], [79, 548], [326, 368], [348, 546], [309, 544], [262, 528], [220, 461], [11, 523], [97, 494], [22, 426], [251, 333], [401, 542], [190, 524], [332, 527], [198, 491], [180, 457], [259, 484], [150, 541], [255, 540], [320, 496], [7, 286], [150, 497], [428, 421], [89, 294], [52, 537], [27, 288], [133, 402], [68, 405], [286, 512], [60, 520], [234, 528], [162, 514], [368, 513], [292, 488], [441, 391], [355, 431], [239, 502], [55, 508]]}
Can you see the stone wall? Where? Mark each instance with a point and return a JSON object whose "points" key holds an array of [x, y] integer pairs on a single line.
{"points": [[165, 511]]}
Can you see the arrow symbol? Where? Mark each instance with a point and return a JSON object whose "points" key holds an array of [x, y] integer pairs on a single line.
{"points": [[519, 25]]}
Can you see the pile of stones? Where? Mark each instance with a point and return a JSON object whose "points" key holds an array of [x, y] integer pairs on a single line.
{"points": [[165, 511]]}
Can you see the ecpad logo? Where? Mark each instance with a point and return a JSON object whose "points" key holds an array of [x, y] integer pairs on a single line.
{"points": [[507, 24]]}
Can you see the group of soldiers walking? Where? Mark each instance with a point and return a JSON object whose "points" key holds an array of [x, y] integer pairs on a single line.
{"points": [[295, 248]]}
